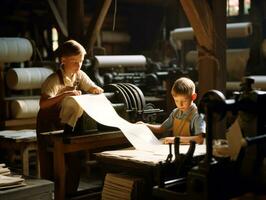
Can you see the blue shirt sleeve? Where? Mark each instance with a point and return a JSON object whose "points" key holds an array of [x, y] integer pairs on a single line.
{"points": [[198, 124]]}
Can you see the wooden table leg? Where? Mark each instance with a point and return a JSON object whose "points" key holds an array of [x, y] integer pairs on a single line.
{"points": [[59, 170], [25, 160]]}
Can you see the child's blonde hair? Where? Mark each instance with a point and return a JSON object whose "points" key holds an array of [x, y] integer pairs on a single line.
{"points": [[183, 86], [71, 48]]}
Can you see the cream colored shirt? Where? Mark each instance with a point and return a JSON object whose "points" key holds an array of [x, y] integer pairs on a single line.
{"points": [[53, 87]]}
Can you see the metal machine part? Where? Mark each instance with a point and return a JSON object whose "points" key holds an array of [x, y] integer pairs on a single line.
{"points": [[136, 108]]}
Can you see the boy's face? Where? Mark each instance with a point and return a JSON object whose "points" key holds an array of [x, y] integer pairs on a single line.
{"points": [[72, 64], [183, 102]]}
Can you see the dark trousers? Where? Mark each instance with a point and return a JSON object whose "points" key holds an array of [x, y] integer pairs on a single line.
{"points": [[48, 120]]}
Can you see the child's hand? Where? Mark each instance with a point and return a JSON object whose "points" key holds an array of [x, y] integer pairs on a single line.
{"points": [[73, 93], [169, 140], [96, 90]]}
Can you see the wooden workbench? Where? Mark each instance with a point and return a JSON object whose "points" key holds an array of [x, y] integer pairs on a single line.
{"points": [[142, 164], [24, 142], [91, 142]]}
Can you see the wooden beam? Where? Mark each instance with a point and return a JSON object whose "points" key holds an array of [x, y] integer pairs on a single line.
{"points": [[58, 18], [96, 25], [62, 9], [195, 12], [75, 18]]}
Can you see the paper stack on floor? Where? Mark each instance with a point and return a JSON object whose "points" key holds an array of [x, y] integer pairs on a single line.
{"points": [[117, 186]]}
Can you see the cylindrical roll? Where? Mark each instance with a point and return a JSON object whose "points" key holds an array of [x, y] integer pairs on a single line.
{"points": [[120, 61], [15, 50], [26, 78], [115, 37], [236, 61], [233, 30], [260, 82], [238, 30], [21, 109], [185, 33]]}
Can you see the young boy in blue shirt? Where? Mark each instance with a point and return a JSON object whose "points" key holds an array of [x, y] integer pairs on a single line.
{"points": [[184, 122]]}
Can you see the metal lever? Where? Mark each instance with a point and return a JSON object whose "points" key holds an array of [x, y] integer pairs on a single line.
{"points": [[177, 143], [170, 155]]}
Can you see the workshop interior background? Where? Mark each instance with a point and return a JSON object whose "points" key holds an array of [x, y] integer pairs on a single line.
{"points": [[148, 28]]}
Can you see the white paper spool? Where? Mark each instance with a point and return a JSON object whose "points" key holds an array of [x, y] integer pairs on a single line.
{"points": [[21, 109], [233, 30], [238, 30], [260, 82], [15, 50], [120, 61], [26, 78], [236, 61]]}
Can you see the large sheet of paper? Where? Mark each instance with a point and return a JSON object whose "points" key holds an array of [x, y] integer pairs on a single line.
{"points": [[153, 155], [100, 109], [234, 138]]}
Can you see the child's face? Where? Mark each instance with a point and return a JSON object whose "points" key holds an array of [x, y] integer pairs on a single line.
{"points": [[183, 102], [72, 64]]}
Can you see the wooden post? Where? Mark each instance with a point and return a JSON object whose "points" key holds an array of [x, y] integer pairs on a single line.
{"points": [[208, 21]]}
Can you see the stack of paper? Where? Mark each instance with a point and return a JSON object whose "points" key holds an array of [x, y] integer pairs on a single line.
{"points": [[117, 186], [7, 180], [4, 170]]}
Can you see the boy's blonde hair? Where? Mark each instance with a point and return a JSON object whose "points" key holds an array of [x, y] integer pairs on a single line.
{"points": [[183, 86], [71, 48]]}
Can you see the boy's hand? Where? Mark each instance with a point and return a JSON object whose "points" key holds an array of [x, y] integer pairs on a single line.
{"points": [[169, 140], [73, 93], [96, 90]]}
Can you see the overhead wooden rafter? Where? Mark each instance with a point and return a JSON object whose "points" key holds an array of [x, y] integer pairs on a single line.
{"points": [[58, 18], [200, 17], [96, 24], [207, 19]]}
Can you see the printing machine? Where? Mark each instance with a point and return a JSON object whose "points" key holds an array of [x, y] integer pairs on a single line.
{"points": [[223, 178], [148, 75]]}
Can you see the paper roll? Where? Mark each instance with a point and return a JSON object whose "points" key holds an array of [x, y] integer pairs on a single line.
{"points": [[26, 78], [120, 61], [238, 30], [15, 50], [236, 61], [27, 108], [260, 82], [233, 30], [115, 37]]}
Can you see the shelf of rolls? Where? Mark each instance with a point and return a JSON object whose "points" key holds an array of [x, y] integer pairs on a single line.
{"points": [[20, 84]]}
